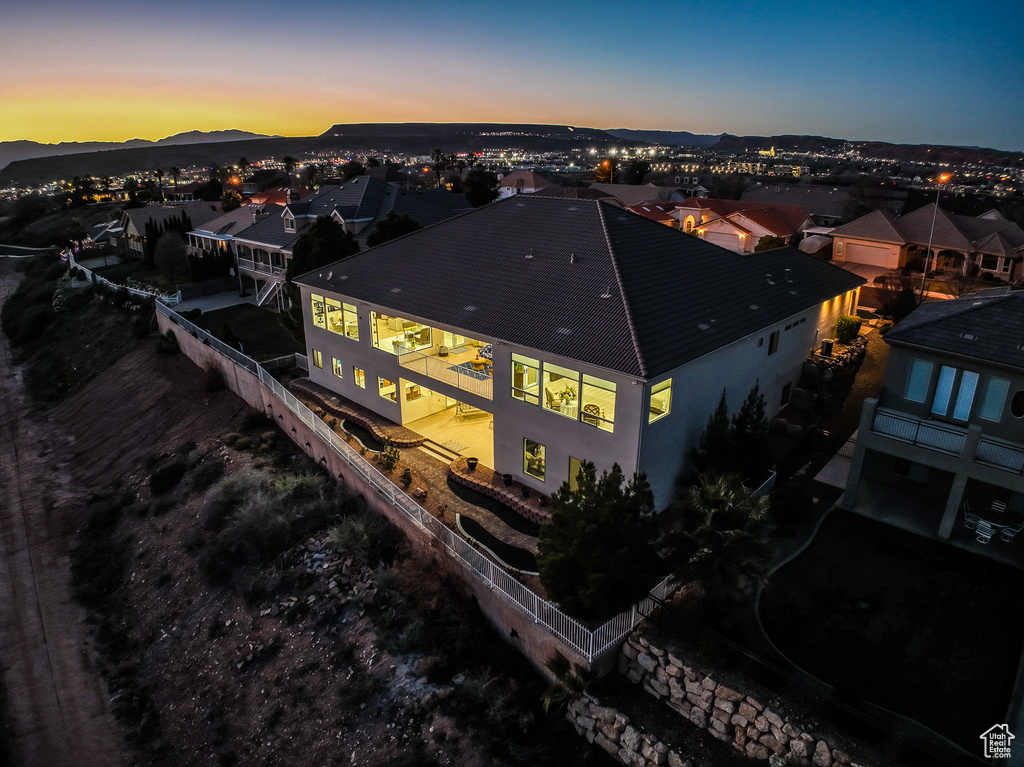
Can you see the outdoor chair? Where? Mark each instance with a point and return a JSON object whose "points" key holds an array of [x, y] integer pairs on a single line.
{"points": [[970, 517], [985, 531], [1010, 531]]}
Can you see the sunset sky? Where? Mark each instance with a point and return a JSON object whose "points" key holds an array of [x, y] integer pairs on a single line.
{"points": [[911, 72]]}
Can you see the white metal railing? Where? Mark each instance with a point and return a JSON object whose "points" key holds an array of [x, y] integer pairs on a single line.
{"points": [[171, 299], [944, 439], [588, 643], [766, 487], [478, 382], [1001, 454], [252, 265], [269, 289]]}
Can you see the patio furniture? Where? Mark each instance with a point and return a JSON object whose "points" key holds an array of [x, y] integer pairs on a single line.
{"points": [[970, 517], [1010, 531], [985, 531]]}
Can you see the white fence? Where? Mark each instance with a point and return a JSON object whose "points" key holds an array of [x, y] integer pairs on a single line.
{"points": [[588, 643], [171, 299]]}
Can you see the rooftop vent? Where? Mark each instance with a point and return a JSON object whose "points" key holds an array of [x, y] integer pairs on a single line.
{"points": [[469, 308], [607, 293], [564, 331], [530, 254], [396, 290], [754, 307], [971, 337], [770, 280]]}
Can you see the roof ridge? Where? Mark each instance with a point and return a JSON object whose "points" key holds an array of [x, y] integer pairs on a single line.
{"points": [[970, 305], [622, 291]]}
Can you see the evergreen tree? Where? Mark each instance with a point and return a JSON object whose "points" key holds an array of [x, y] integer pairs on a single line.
{"points": [[480, 187], [593, 555], [716, 450], [750, 436], [392, 226]]}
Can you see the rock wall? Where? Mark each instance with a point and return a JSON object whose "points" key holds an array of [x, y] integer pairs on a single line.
{"points": [[611, 730], [824, 384], [731, 715]]}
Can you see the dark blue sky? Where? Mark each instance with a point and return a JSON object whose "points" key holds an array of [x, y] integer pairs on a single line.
{"points": [[909, 72]]}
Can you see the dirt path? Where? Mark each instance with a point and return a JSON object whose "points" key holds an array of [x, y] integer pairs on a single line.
{"points": [[56, 697]]}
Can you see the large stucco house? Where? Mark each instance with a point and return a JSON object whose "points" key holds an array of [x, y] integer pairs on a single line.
{"points": [[739, 225], [555, 331], [947, 431]]}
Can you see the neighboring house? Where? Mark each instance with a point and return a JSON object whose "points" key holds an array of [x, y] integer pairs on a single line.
{"points": [[577, 193], [264, 179], [217, 235], [134, 220], [827, 206], [521, 182], [739, 225], [576, 330], [263, 249], [948, 427], [106, 233], [656, 211], [882, 239], [634, 194]]}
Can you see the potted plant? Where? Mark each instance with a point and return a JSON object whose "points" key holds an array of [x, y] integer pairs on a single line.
{"points": [[518, 371], [525, 491], [507, 479], [568, 394]]}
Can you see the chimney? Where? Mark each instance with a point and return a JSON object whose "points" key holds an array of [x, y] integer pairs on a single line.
{"points": [[292, 195]]}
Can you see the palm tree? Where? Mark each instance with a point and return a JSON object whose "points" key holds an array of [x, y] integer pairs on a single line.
{"points": [[721, 539], [243, 166], [175, 171], [160, 180], [289, 163]]}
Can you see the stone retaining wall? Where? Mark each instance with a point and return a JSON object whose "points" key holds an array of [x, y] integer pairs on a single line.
{"points": [[735, 716], [611, 730]]}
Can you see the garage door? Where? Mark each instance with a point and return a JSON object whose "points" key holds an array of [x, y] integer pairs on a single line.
{"points": [[724, 239], [861, 253]]}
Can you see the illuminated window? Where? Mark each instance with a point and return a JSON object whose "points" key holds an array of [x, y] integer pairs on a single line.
{"points": [[359, 377], [661, 401], [597, 403], [561, 389], [319, 315], [318, 358], [533, 458], [336, 366], [397, 335], [342, 319], [525, 377], [386, 389]]}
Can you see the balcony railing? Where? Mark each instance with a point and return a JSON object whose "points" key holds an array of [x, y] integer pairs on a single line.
{"points": [[257, 266], [944, 439], [478, 382], [1002, 455]]}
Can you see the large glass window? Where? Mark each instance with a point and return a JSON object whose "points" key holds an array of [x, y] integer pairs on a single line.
{"points": [[414, 391], [994, 399], [561, 389], [319, 316], [359, 377], [396, 335], [533, 458], [965, 396], [918, 380], [386, 389], [336, 366], [943, 390], [597, 403], [342, 319], [661, 400], [525, 379], [575, 465]]}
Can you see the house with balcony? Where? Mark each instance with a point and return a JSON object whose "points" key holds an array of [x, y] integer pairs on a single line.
{"points": [[944, 443], [535, 333], [262, 250], [139, 223]]}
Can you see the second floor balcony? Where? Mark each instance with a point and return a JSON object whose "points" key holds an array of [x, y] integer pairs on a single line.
{"points": [[949, 439]]}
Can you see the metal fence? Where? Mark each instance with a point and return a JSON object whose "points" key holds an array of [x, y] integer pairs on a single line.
{"points": [[170, 299], [918, 432], [1004, 455], [588, 643]]}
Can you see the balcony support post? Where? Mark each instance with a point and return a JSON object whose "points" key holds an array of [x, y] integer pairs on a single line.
{"points": [[956, 492], [867, 417]]}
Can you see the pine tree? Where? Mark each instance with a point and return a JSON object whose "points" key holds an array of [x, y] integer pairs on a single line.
{"points": [[750, 437], [716, 450]]}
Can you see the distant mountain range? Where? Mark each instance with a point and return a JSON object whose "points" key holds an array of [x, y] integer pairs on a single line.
{"points": [[25, 150], [27, 162], [665, 137]]}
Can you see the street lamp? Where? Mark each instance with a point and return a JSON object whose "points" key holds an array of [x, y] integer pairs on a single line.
{"points": [[931, 234]]}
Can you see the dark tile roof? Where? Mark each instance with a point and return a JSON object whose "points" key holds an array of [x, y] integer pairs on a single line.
{"points": [[987, 326], [818, 200], [584, 280], [269, 231]]}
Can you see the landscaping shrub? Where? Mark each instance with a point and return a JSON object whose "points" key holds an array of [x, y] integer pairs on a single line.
{"points": [[213, 379], [847, 328], [166, 478], [367, 535], [32, 323], [388, 458], [206, 473]]}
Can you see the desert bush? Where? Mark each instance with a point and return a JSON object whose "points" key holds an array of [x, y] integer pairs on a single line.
{"points": [[167, 343], [213, 379], [205, 473], [166, 478], [388, 458], [32, 324], [367, 535], [847, 328], [407, 477]]}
